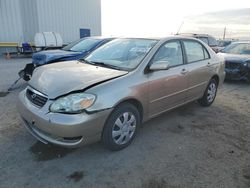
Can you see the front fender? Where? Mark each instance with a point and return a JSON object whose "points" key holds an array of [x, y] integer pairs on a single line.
{"points": [[113, 92]]}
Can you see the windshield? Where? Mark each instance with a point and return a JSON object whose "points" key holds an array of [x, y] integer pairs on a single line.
{"points": [[123, 53], [237, 48], [81, 45]]}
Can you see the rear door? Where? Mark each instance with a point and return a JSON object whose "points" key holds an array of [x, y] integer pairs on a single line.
{"points": [[167, 88], [198, 66]]}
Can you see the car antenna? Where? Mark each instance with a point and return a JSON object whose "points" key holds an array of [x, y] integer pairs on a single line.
{"points": [[177, 33]]}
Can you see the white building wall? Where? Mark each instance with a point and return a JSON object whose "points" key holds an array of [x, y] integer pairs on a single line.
{"points": [[68, 16], [21, 19], [29, 17], [10, 21]]}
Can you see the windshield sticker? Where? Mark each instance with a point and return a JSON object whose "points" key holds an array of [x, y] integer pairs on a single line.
{"points": [[140, 49]]}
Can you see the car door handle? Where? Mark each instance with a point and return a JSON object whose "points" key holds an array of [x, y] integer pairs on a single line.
{"points": [[184, 71], [209, 64]]}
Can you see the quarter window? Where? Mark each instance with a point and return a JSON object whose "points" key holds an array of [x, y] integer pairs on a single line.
{"points": [[171, 52], [195, 51]]}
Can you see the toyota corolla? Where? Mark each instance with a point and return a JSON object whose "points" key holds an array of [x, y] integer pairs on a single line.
{"points": [[122, 84]]}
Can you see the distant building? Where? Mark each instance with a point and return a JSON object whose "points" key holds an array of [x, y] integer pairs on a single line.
{"points": [[21, 19]]}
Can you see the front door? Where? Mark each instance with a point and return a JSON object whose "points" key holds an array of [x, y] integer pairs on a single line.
{"points": [[167, 88]]}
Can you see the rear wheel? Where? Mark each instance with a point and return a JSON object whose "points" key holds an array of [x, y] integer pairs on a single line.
{"points": [[209, 94], [121, 127]]}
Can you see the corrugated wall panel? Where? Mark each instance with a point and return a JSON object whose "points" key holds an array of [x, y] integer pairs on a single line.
{"points": [[67, 17], [10, 21], [21, 19], [29, 19]]}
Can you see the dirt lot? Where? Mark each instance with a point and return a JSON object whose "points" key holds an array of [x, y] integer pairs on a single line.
{"points": [[190, 147]]}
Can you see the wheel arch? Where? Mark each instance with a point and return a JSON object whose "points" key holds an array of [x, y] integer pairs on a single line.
{"points": [[134, 102], [216, 78]]}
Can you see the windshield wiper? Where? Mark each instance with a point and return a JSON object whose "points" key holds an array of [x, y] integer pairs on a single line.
{"points": [[98, 63], [105, 65], [85, 61]]}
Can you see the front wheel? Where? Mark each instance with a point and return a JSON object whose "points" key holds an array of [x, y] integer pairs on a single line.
{"points": [[209, 94], [121, 127]]}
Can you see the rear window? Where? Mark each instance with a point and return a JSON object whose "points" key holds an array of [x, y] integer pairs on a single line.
{"points": [[212, 41], [203, 39]]}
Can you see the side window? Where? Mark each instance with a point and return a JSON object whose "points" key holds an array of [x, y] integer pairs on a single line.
{"points": [[171, 52], [194, 51]]}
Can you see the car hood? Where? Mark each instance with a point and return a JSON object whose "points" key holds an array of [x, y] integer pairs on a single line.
{"points": [[239, 58], [61, 78], [46, 56]]}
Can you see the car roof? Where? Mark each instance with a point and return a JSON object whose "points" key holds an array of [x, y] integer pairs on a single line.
{"points": [[170, 37], [179, 37], [195, 35], [135, 37], [98, 37], [161, 38]]}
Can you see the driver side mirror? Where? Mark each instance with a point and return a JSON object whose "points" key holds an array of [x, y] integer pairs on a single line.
{"points": [[159, 65]]}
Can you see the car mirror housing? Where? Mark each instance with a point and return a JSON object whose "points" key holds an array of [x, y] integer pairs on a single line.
{"points": [[159, 65]]}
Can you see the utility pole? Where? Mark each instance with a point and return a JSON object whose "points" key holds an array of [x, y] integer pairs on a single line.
{"points": [[224, 34]]}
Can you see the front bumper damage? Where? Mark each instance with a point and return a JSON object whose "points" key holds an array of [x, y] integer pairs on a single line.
{"points": [[67, 130], [237, 71]]}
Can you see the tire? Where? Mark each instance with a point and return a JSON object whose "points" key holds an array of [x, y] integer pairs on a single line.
{"points": [[117, 134], [209, 94]]}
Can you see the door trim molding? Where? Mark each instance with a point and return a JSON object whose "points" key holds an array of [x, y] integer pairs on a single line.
{"points": [[176, 106], [172, 94]]}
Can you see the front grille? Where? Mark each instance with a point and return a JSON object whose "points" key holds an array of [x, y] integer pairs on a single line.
{"points": [[36, 98], [232, 65]]}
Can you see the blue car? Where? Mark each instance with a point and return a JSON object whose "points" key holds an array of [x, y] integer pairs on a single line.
{"points": [[75, 50]]}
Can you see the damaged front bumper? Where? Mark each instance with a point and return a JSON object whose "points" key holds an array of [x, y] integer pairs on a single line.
{"points": [[237, 74], [67, 130]]}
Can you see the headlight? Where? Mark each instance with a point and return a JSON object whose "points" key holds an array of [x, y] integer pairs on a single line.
{"points": [[247, 63], [73, 103]]}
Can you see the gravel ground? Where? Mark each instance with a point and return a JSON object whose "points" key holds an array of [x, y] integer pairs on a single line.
{"points": [[190, 147]]}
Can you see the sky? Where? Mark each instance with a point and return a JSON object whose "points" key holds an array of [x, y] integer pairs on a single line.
{"points": [[157, 18]]}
